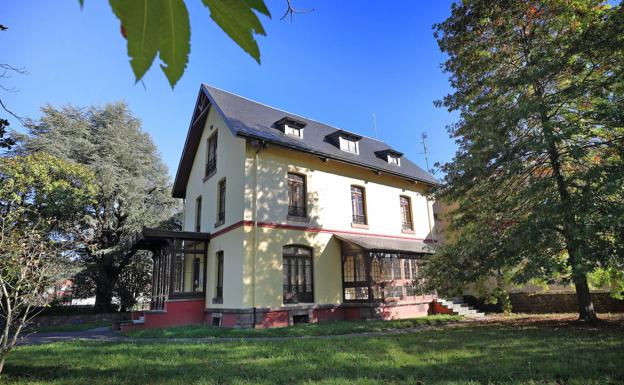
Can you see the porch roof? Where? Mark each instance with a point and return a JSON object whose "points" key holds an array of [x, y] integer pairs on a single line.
{"points": [[150, 239], [387, 245]]}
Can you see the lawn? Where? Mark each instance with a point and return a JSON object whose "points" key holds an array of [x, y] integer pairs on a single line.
{"points": [[316, 329], [454, 355]]}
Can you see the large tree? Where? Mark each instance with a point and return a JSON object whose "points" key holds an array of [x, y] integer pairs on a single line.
{"points": [[538, 180], [44, 202], [133, 188]]}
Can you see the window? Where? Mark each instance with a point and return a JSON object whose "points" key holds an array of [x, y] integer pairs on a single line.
{"points": [[294, 131], [297, 274], [348, 145], [221, 203], [406, 213], [358, 205], [354, 277], [394, 160], [296, 195], [198, 202], [219, 287], [211, 155]]}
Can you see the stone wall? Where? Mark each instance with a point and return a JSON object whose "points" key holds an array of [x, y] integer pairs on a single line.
{"points": [[562, 303], [55, 320]]}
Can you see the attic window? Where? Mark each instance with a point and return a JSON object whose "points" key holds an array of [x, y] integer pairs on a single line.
{"points": [[290, 126], [348, 145], [294, 131], [394, 160], [345, 141], [391, 156]]}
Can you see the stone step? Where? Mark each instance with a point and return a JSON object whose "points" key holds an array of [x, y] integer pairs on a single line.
{"points": [[459, 308]]}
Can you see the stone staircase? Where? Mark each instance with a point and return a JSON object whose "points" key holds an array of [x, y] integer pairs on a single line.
{"points": [[458, 307]]}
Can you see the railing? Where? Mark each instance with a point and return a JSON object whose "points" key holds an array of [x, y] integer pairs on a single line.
{"points": [[211, 166], [407, 226], [359, 219], [219, 294], [298, 293], [221, 217], [296, 211]]}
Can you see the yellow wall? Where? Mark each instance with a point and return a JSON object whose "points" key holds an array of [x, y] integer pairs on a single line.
{"points": [[329, 194]]}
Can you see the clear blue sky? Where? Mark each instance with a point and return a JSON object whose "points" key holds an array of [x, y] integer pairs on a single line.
{"points": [[339, 65]]}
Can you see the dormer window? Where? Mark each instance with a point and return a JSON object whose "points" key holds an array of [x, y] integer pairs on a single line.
{"points": [[290, 126], [345, 141], [348, 145], [390, 156], [294, 131]]}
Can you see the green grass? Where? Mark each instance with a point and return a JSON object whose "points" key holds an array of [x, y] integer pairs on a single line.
{"points": [[459, 356], [317, 329], [72, 328]]}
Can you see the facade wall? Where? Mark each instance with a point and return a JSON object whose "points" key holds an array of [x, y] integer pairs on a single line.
{"points": [[230, 165], [329, 194]]}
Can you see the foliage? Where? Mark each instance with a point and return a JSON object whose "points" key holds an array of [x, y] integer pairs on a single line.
{"points": [[133, 190], [459, 356], [611, 278], [162, 27], [315, 329], [5, 141], [43, 203], [537, 181]]}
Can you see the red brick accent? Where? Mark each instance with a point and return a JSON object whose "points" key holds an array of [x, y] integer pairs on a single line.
{"points": [[176, 313], [333, 314], [275, 319], [437, 308]]}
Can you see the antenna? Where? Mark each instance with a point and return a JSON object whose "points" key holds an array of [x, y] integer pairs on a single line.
{"points": [[423, 137], [375, 126]]}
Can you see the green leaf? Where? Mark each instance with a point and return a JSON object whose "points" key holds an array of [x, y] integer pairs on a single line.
{"points": [[141, 21], [175, 39], [238, 20], [81, 3]]}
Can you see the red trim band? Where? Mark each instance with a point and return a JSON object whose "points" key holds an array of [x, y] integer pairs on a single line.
{"points": [[273, 225]]}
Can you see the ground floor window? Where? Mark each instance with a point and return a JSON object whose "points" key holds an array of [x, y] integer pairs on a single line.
{"points": [[297, 274]]}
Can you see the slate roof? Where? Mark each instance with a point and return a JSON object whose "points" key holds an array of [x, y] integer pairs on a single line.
{"points": [[247, 118]]}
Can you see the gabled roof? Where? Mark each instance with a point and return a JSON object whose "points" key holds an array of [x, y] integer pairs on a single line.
{"points": [[250, 119]]}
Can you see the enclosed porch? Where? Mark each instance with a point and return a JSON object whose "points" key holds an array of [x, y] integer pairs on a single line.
{"points": [[179, 264], [379, 273]]}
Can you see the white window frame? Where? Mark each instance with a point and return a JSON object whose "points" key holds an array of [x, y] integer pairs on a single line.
{"points": [[394, 160], [293, 131], [349, 145]]}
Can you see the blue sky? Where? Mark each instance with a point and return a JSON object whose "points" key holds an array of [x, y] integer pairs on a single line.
{"points": [[339, 64]]}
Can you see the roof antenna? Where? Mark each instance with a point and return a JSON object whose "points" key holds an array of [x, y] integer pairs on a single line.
{"points": [[375, 126], [423, 137]]}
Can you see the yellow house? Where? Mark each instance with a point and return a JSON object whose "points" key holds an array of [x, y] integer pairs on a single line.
{"points": [[289, 220]]}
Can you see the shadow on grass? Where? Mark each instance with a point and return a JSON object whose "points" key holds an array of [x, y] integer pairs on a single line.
{"points": [[461, 356]]}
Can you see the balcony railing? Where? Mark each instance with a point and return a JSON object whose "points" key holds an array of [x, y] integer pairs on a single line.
{"points": [[296, 211], [359, 219]]}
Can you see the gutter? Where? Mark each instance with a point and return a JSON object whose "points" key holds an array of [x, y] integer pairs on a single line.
{"points": [[260, 145]]}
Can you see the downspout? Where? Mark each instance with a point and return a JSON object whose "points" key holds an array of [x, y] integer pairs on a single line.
{"points": [[260, 145], [429, 218]]}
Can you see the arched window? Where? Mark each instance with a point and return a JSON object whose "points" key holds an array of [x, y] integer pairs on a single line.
{"points": [[298, 275]]}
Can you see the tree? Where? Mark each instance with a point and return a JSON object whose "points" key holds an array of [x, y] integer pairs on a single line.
{"points": [[5, 141], [133, 187], [538, 178], [43, 204]]}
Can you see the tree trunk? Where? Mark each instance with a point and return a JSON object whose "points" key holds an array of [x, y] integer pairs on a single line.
{"points": [[2, 359], [104, 289], [583, 297]]}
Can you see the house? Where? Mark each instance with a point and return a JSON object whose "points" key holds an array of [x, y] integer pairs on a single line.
{"points": [[288, 220]]}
